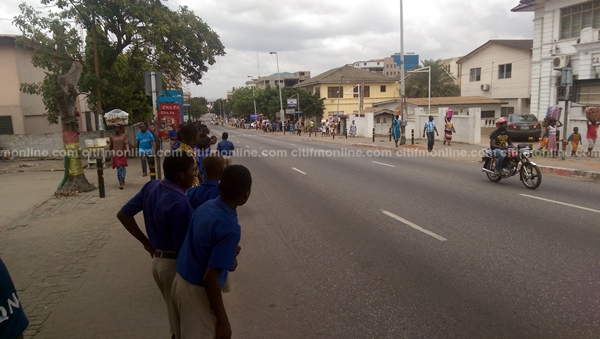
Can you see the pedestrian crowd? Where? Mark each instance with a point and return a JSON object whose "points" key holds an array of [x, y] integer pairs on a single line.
{"points": [[191, 230]]}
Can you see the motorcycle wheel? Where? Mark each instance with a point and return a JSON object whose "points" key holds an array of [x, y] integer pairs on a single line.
{"points": [[489, 165], [531, 176]]}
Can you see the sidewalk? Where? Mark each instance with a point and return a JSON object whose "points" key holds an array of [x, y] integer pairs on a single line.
{"points": [[580, 167], [79, 274]]}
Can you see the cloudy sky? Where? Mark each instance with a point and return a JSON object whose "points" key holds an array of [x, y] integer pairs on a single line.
{"points": [[316, 36]]}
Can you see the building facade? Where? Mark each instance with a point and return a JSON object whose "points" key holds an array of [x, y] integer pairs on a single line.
{"points": [[389, 66], [565, 33], [499, 69], [286, 79]]}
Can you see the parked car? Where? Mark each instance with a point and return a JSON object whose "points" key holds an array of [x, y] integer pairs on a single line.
{"points": [[523, 126]]}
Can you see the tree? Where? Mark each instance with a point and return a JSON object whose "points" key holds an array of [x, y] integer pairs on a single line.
{"points": [[442, 84], [132, 36], [198, 107]]}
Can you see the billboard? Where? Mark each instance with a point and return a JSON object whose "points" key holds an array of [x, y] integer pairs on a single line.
{"points": [[169, 118], [292, 102]]}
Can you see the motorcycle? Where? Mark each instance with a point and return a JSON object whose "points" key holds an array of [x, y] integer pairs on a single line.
{"points": [[516, 161]]}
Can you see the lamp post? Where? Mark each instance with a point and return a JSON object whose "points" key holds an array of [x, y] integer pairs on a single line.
{"points": [[253, 99], [279, 83], [428, 70], [402, 90]]}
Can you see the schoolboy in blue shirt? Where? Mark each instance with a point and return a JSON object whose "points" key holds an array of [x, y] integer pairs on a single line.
{"points": [[209, 189], [167, 215], [225, 148], [210, 248]]}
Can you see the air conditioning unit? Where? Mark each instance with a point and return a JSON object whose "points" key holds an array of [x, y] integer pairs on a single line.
{"points": [[560, 61], [485, 87], [589, 34]]}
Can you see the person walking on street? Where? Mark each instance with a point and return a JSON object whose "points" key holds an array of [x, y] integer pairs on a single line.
{"points": [[208, 253], [225, 149], [311, 126], [167, 215], [119, 146], [145, 145], [591, 136], [396, 131], [576, 140], [353, 129], [448, 130], [428, 130], [552, 141]]}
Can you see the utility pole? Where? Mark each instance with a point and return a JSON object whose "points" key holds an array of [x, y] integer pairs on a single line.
{"points": [[97, 69], [402, 91], [566, 80]]}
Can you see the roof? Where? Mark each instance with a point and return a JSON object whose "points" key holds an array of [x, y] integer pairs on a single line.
{"points": [[454, 101], [346, 74], [525, 45], [283, 74], [526, 6]]}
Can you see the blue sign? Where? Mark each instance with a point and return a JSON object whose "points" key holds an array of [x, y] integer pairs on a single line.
{"points": [[186, 104], [298, 112], [253, 116]]}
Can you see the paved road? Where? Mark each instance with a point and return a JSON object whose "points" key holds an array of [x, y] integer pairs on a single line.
{"points": [[391, 247]]}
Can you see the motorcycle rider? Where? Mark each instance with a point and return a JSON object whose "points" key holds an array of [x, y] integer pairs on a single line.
{"points": [[499, 143]]}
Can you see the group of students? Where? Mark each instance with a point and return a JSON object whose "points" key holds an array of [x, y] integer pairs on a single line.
{"points": [[193, 236]]}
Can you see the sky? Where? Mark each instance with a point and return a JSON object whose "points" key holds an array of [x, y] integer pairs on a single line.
{"points": [[316, 36]]}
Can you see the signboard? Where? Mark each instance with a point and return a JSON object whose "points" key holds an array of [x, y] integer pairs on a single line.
{"points": [[167, 121], [290, 111], [298, 112], [253, 116], [148, 82], [169, 107], [292, 102]]}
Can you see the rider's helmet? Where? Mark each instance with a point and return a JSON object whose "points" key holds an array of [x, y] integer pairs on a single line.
{"points": [[501, 121]]}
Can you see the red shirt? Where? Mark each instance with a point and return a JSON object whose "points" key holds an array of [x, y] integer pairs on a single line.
{"points": [[592, 132]]}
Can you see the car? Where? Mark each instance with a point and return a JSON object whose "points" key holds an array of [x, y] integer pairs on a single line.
{"points": [[523, 126]]}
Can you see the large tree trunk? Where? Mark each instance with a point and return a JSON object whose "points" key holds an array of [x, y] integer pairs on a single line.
{"points": [[74, 180]]}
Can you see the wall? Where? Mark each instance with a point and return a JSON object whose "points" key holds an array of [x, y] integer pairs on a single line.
{"points": [[10, 103], [468, 127], [50, 142]]}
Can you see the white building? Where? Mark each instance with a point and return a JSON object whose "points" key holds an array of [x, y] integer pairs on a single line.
{"points": [[499, 69], [565, 33]]}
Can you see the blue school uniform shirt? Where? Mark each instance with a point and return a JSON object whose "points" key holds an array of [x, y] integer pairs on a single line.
{"points": [[212, 241], [13, 321], [167, 213], [225, 148], [208, 190], [145, 142]]}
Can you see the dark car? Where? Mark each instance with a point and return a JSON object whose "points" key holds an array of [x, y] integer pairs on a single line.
{"points": [[523, 126]]}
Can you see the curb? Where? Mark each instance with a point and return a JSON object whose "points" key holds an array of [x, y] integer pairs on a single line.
{"points": [[569, 172]]}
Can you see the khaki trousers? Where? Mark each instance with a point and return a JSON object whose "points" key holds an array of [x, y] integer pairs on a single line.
{"points": [[193, 316], [164, 271], [227, 159]]}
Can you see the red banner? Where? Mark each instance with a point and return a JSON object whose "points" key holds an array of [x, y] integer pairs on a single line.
{"points": [[167, 121]]}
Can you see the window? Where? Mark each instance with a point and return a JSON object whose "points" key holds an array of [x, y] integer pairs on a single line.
{"points": [[384, 120], [488, 114], [575, 18], [475, 74], [378, 120], [333, 92], [505, 111], [366, 91], [6, 125], [505, 71], [382, 89]]}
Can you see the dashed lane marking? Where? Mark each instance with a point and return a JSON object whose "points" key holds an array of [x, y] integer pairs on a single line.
{"points": [[415, 226], [380, 163], [560, 203], [299, 171]]}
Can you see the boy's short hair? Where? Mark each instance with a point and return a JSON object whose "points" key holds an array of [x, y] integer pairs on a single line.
{"points": [[213, 165], [203, 143], [235, 181], [176, 162], [188, 132], [225, 135]]}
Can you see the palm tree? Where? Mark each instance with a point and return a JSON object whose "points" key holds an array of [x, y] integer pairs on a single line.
{"points": [[442, 84]]}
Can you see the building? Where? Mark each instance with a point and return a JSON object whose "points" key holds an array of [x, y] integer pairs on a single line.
{"points": [[348, 90], [452, 69], [565, 33], [390, 66], [499, 69], [20, 113], [286, 79]]}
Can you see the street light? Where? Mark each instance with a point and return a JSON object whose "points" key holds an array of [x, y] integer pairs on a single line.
{"points": [[253, 99], [428, 70], [279, 83]]}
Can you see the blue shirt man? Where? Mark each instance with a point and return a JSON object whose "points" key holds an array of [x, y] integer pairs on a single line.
{"points": [[166, 211], [429, 129], [144, 140], [208, 190], [211, 241], [225, 147]]}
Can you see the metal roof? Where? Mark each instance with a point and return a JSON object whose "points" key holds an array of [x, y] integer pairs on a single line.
{"points": [[346, 74], [454, 101], [524, 44]]}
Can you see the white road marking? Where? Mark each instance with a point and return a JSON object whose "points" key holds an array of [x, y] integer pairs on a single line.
{"points": [[417, 227], [247, 146], [293, 144], [380, 163], [561, 203], [297, 170]]}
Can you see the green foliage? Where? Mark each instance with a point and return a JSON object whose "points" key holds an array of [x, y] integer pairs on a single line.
{"points": [[132, 36], [267, 102], [198, 107], [221, 106], [442, 84]]}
